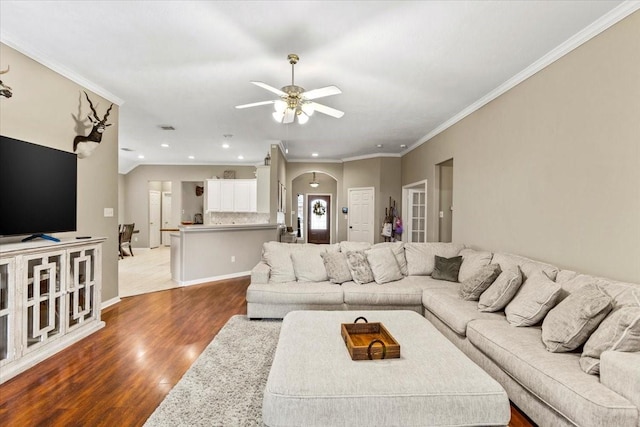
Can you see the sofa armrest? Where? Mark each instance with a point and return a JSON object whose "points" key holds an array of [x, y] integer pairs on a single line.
{"points": [[620, 372], [260, 273]]}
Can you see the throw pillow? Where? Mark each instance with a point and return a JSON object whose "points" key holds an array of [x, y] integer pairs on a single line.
{"points": [[569, 324], [335, 263], [359, 267], [620, 331], [383, 265], [474, 286], [537, 295], [308, 267], [278, 257], [447, 268], [472, 262], [501, 291], [398, 252]]}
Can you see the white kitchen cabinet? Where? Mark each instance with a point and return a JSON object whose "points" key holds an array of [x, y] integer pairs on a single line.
{"points": [[212, 193], [50, 297], [231, 195]]}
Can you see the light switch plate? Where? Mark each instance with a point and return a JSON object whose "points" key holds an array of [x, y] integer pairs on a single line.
{"points": [[108, 212]]}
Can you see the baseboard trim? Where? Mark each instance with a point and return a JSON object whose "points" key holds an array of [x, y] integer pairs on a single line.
{"points": [[211, 279], [110, 302]]}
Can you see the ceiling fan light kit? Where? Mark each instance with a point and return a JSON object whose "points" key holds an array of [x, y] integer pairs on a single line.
{"points": [[294, 101]]}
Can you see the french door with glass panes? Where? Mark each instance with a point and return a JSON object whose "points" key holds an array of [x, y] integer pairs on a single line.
{"points": [[417, 221]]}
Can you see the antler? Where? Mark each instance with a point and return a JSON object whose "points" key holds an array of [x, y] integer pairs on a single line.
{"points": [[104, 120], [95, 114], [5, 71]]}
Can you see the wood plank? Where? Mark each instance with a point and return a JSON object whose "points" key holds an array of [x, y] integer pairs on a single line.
{"points": [[120, 374]]}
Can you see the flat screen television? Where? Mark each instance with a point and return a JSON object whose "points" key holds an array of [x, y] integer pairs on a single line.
{"points": [[38, 189]]}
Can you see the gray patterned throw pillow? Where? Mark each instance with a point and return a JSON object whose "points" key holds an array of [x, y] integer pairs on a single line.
{"points": [[359, 267], [447, 268], [336, 265], [473, 287]]}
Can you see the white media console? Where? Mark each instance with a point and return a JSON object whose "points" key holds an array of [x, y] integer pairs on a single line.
{"points": [[50, 296]]}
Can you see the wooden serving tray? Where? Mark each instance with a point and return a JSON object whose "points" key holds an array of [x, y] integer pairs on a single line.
{"points": [[369, 341]]}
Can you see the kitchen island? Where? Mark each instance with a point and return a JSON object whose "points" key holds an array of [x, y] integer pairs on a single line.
{"points": [[204, 253]]}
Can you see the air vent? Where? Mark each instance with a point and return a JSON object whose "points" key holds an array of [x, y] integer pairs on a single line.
{"points": [[127, 149], [167, 127]]}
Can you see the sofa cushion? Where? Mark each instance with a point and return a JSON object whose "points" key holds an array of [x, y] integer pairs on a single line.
{"points": [[527, 266], [320, 293], [335, 263], [421, 256], [502, 290], [308, 266], [383, 264], [278, 257], [554, 378], [474, 286], [401, 292], [472, 263], [569, 324], [447, 268], [347, 246], [620, 331], [537, 295], [455, 312], [359, 267], [398, 251]]}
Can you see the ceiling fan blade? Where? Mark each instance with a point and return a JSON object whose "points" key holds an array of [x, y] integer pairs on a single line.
{"points": [[327, 110], [322, 92], [270, 88], [254, 104]]}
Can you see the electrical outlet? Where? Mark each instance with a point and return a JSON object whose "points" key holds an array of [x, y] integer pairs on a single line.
{"points": [[233, 258]]}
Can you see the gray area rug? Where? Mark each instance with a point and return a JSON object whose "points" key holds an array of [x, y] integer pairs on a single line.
{"points": [[225, 385]]}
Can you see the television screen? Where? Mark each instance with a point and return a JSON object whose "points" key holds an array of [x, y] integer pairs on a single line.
{"points": [[38, 188]]}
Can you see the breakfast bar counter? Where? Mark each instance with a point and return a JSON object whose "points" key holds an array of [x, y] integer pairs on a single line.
{"points": [[204, 253]]}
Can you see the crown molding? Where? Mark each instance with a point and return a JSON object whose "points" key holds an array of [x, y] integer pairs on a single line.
{"points": [[314, 161], [43, 59], [371, 156], [600, 25], [135, 165]]}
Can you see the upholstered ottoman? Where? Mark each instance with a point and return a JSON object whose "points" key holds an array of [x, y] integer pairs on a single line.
{"points": [[314, 382]]}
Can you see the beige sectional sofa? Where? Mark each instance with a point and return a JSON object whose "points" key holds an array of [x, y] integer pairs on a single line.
{"points": [[551, 388]]}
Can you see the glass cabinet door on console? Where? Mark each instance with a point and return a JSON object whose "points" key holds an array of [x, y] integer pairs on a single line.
{"points": [[7, 311], [43, 299], [81, 286]]}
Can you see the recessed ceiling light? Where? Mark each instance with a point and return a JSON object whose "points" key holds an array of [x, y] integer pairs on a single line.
{"points": [[314, 154], [192, 157], [379, 145], [140, 156], [164, 145], [240, 157], [225, 145], [403, 145]]}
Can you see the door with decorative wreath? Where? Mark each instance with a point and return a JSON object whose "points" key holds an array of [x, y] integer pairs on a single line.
{"points": [[318, 219]]}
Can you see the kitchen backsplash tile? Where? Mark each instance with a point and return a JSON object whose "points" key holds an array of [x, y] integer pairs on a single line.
{"points": [[238, 218]]}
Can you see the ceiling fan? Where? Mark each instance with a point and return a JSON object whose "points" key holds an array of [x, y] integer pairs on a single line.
{"points": [[295, 101]]}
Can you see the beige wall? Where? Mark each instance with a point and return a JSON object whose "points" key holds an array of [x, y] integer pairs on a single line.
{"points": [[136, 186], [40, 112], [551, 169]]}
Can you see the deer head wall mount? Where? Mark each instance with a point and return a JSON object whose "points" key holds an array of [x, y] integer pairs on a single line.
{"points": [[5, 90], [83, 146]]}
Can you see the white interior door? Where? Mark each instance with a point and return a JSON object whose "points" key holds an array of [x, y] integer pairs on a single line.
{"points": [[166, 217], [154, 218], [361, 213]]}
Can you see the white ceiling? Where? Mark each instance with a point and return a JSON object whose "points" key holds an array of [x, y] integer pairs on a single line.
{"points": [[404, 68]]}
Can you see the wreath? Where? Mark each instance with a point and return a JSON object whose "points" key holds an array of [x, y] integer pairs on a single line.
{"points": [[319, 209]]}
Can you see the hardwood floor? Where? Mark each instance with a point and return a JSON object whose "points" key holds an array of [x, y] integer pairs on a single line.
{"points": [[119, 375]]}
